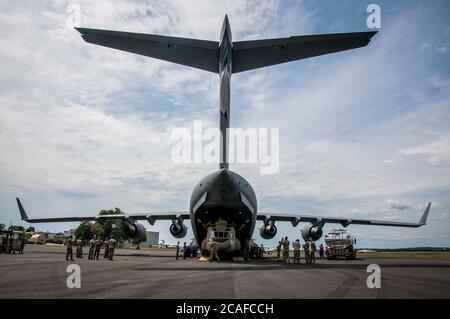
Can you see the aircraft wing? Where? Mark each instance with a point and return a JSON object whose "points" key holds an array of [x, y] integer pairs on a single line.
{"points": [[195, 53], [150, 217], [316, 220], [249, 55]]}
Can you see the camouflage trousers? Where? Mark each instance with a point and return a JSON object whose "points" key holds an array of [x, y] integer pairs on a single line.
{"points": [[286, 256], [91, 253], [111, 253], [296, 256]]}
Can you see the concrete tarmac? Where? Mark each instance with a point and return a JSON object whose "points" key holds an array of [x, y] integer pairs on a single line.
{"points": [[41, 273]]}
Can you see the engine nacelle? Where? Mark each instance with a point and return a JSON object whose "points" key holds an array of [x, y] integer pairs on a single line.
{"points": [[310, 231], [268, 230], [134, 230], [178, 229]]}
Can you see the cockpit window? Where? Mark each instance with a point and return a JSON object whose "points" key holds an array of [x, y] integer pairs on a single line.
{"points": [[219, 234]]}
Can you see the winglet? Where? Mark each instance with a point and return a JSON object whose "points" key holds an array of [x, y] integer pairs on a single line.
{"points": [[423, 219], [23, 214]]}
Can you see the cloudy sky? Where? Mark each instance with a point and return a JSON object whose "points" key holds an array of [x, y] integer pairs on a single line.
{"points": [[363, 133]]}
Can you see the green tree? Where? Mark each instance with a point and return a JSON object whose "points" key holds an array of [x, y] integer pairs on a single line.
{"points": [[117, 231], [106, 229], [113, 229], [97, 229], [83, 230]]}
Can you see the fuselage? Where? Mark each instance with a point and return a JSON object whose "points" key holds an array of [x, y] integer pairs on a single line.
{"points": [[224, 195]]}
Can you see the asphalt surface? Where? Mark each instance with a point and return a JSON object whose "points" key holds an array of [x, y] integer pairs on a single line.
{"points": [[41, 273]]}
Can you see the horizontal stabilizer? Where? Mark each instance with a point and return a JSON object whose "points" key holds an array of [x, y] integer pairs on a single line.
{"points": [[200, 54], [249, 55]]}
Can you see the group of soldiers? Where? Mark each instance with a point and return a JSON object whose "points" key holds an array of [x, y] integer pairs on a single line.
{"points": [[185, 250], [309, 248], [253, 251], [95, 246], [212, 246]]}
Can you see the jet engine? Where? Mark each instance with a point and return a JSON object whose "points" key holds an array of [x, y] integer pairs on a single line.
{"points": [[178, 229], [134, 230], [310, 231], [268, 230]]}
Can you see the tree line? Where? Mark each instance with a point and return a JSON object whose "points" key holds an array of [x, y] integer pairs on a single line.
{"points": [[108, 229]]}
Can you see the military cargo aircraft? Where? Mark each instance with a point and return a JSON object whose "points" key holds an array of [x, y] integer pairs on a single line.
{"points": [[223, 205]]}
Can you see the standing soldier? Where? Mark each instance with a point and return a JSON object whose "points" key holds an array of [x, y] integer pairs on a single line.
{"points": [[313, 250], [98, 247], [279, 250], [91, 248], [178, 251], [79, 248], [286, 244], [321, 251], [184, 250], [22, 243], [105, 255], [307, 251], [296, 246], [11, 243], [214, 249], [112, 247], [69, 243]]}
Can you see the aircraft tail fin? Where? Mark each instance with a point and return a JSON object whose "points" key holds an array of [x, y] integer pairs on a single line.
{"points": [[423, 219], [23, 213]]}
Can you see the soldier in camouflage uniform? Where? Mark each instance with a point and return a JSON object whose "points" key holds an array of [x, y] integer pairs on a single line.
{"points": [[285, 244], [279, 250], [22, 243], [313, 251], [296, 245], [98, 247], [214, 249], [112, 247], [11, 243], [105, 255], [91, 248], [79, 248], [178, 251], [69, 243]]}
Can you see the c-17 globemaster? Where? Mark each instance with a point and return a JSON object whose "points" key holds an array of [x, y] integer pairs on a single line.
{"points": [[223, 205]]}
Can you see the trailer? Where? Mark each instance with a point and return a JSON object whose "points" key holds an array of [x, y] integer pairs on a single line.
{"points": [[11, 239], [340, 243]]}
